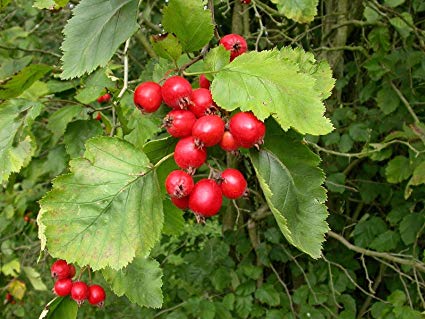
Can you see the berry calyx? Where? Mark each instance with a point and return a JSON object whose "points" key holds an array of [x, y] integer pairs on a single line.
{"points": [[104, 98], [60, 269], [179, 123], [63, 287], [247, 129], [204, 82], [202, 102], [96, 295], [228, 142], [188, 154], [206, 198], [179, 184], [182, 203], [148, 97], [79, 292], [176, 92], [233, 183], [234, 43], [209, 129]]}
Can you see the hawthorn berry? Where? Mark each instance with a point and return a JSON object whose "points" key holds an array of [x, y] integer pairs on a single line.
{"points": [[176, 92], [247, 129], [179, 184], [246, 1], [104, 98], [96, 295], [79, 292], [179, 123], [234, 43], [228, 142], [9, 297], [233, 183], [98, 116], [63, 287], [209, 129], [148, 97], [202, 102], [204, 82], [188, 154], [182, 203], [71, 271], [206, 198], [60, 269]]}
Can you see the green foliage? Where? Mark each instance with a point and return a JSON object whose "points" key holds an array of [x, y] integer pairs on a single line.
{"points": [[302, 11], [60, 308]]}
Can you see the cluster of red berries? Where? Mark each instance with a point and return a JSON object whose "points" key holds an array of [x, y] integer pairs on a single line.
{"points": [[195, 119], [63, 273]]}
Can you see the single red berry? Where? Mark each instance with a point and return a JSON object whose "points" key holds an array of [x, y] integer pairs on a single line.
{"points": [[179, 184], [63, 287], [147, 97], [71, 271], [206, 198], [182, 203], [96, 295], [233, 184], [228, 142], [204, 82], [234, 43], [188, 154], [179, 123], [176, 92], [27, 219], [79, 292], [247, 129], [9, 297], [104, 98], [202, 102], [209, 129], [60, 269], [246, 1], [98, 116]]}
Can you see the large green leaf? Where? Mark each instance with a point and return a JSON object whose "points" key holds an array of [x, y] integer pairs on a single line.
{"points": [[292, 184], [60, 308], [106, 209], [95, 32], [191, 24], [268, 84], [140, 282], [301, 11], [16, 143]]}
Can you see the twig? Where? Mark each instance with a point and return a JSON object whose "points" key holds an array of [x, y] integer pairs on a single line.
{"points": [[291, 305], [30, 50], [405, 102], [125, 86]]}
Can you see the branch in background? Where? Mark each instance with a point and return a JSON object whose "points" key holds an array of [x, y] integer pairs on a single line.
{"points": [[405, 102], [30, 50], [141, 38]]}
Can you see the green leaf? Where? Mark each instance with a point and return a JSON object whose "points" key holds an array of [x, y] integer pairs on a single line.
{"points": [[387, 100], [4, 3], [301, 11], [336, 182], [386, 241], [94, 87], [292, 184], [267, 294], [379, 38], [191, 24], [167, 46], [173, 219], [401, 26], [393, 3], [9, 67], [77, 133], [217, 58], [418, 178], [59, 119], [44, 4], [278, 88], [95, 32], [140, 282], [410, 226], [359, 132], [23, 80], [157, 149], [34, 278], [106, 209], [12, 268], [398, 169], [366, 231], [60, 308]]}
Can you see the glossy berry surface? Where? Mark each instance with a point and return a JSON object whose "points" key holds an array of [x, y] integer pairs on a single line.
{"points": [[104, 98], [60, 269], [228, 143], [202, 102], [188, 154], [147, 97], [206, 198], [179, 123], [234, 43], [204, 82], [176, 92], [63, 287], [246, 1], [79, 292], [247, 129], [182, 203], [179, 184], [233, 184], [71, 271], [96, 295], [209, 129]]}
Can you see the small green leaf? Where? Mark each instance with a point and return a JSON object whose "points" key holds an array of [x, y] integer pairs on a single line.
{"points": [[190, 22], [401, 26], [336, 182], [217, 58], [366, 231], [59, 119], [267, 294], [418, 178], [386, 241], [12, 268], [94, 33], [9, 67], [387, 100], [398, 169], [394, 3], [167, 46], [140, 282], [94, 87], [60, 308], [302, 11], [359, 132], [173, 219], [34, 278], [410, 226], [77, 133]]}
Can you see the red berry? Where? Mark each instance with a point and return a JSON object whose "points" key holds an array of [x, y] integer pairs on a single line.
{"points": [[60, 269], [179, 123], [247, 129], [246, 1], [182, 203], [233, 183], [79, 292], [27, 219], [176, 92], [9, 297], [234, 43], [147, 97], [63, 287], [206, 198], [204, 82], [228, 142], [71, 271], [179, 184], [96, 295], [209, 129], [188, 154], [202, 102], [98, 116], [104, 98]]}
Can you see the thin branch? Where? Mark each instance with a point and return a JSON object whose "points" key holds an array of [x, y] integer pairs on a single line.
{"points": [[30, 50], [405, 102], [291, 305]]}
